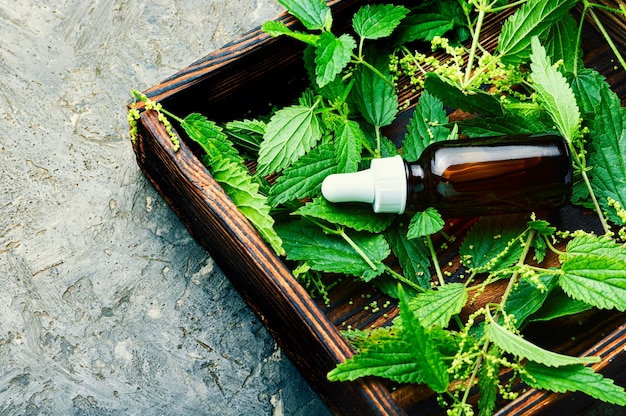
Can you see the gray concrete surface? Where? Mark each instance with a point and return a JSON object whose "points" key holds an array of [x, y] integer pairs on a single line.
{"points": [[107, 306]]}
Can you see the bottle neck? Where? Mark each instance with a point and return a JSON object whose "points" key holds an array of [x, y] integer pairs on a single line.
{"points": [[416, 186]]}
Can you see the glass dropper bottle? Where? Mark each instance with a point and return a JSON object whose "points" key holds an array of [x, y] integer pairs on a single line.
{"points": [[465, 177]]}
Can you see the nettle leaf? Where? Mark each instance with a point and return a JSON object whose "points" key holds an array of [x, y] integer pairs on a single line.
{"points": [[526, 298], [304, 178], [427, 126], [488, 385], [587, 85], [314, 14], [598, 280], [246, 133], [436, 307], [227, 169], [210, 137], [276, 28], [598, 245], [291, 132], [425, 223], [531, 19], [473, 101], [375, 99], [574, 378], [332, 55], [349, 139], [554, 92], [378, 21], [510, 123], [561, 43], [492, 243], [542, 227], [236, 181], [391, 360], [433, 368], [440, 18], [557, 305], [413, 255], [608, 159], [518, 346], [355, 216], [331, 253]]}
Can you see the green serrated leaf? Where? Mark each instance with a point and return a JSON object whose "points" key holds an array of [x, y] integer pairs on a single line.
{"points": [[331, 253], [425, 223], [349, 140], [491, 244], [598, 245], [378, 21], [608, 159], [436, 307], [425, 26], [375, 99], [561, 43], [557, 305], [587, 85], [227, 169], [533, 18], [433, 368], [314, 14], [291, 132], [393, 361], [509, 124], [473, 101], [247, 134], [598, 280], [277, 28], [518, 346], [488, 384], [574, 378], [210, 137], [304, 178], [427, 126], [542, 227], [332, 55], [355, 216], [413, 255], [241, 188], [554, 93], [526, 298]]}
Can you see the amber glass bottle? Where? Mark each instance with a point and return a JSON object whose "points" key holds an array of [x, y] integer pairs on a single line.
{"points": [[469, 177]]}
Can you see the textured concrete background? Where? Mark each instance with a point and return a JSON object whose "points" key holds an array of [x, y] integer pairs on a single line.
{"points": [[107, 306]]}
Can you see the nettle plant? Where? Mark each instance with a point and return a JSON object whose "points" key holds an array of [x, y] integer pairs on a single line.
{"points": [[533, 82]]}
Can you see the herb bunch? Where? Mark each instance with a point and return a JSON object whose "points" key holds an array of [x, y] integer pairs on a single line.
{"points": [[530, 83]]}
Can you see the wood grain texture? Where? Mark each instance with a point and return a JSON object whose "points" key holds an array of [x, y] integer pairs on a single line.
{"points": [[229, 84]]}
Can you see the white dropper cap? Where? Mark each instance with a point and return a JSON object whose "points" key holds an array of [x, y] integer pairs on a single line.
{"points": [[384, 185]]}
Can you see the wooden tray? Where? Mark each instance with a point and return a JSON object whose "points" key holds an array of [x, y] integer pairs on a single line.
{"points": [[235, 82]]}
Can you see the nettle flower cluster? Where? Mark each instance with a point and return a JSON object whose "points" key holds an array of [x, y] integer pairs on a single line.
{"points": [[450, 61]]}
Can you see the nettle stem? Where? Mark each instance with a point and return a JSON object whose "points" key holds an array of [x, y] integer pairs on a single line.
{"points": [[582, 165], [474, 47], [404, 280], [515, 275], [360, 60], [358, 249], [606, 35], [433, 255]]}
